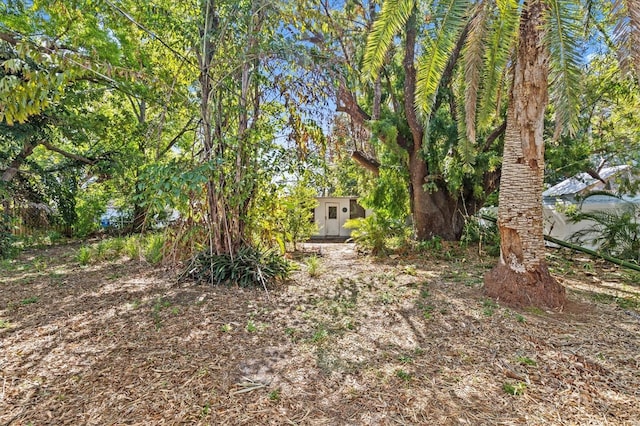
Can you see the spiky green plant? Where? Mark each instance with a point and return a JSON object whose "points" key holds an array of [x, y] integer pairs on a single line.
{"points": [[248, 267], [615, 231]]}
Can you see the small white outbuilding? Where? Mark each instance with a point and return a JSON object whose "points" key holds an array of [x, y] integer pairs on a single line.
{"points": [[332, 213], [558, 198]]}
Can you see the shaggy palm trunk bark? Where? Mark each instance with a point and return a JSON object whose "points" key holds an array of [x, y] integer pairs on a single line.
{"points": [[522, 277]]}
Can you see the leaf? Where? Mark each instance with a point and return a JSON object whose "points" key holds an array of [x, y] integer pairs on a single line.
{"points": [[393, 16], [449, 17], [502, 33], [563, 27], [473, 54]]}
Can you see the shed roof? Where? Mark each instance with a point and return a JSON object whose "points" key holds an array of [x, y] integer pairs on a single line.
{"points": [[583, 182]]}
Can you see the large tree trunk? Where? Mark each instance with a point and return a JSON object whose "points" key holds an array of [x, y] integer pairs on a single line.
{"points": [[521, 277], [435, 213]]}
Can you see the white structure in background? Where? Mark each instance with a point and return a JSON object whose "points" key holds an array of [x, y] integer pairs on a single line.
{"points": [[568, 192], [331, 214]]}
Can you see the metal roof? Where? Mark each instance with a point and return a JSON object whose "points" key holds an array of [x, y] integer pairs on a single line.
{"points": [[582, 181]]}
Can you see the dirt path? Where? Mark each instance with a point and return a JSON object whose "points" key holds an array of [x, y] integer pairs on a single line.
{"points": [[406, 340]]}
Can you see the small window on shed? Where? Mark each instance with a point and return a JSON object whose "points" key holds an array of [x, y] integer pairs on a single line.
{"points": [[333, 212], [355, 210]]}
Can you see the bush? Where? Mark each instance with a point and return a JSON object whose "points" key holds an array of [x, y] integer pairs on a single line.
{"points": [[615, 232], [154, 248], [249, 267], [7, 249], [484, 232], [374, 233], [84, 255]]}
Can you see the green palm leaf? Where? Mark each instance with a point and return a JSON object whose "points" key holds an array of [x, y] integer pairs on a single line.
{"points": [[502, 34], [393, 16], [449, 20], [563, 28], [473, 54]]}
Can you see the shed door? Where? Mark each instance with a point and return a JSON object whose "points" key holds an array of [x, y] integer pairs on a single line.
{"points": [[332, 224]]}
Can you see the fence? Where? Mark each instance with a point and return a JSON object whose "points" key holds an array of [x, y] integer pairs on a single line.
{"points": [[32, 219]]}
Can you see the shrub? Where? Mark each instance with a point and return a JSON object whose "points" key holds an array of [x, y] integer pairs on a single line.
{"points": [[482, 231], [248, 267], [154, 248], [615, 232], [374, 232], [7, 249], [313, 266], [131, 247], [84, 255]]}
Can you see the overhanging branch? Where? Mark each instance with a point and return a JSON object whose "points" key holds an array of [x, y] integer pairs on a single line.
{"points": [[366, 162], [70, 155]]}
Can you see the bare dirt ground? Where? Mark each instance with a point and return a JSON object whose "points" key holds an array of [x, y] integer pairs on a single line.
{"points": [[402, 340]]}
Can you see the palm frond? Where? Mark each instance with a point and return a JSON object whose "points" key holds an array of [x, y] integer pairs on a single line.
{"points": [[393, 16], [466, 147], [563, 28], [626, 35], [614, 231], [473, 54], [449, 20], [502, 35]]}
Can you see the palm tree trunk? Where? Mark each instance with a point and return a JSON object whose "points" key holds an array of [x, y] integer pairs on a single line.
{"points": [[522, 277]]}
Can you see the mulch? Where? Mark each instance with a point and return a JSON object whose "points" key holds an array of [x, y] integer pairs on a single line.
{"points": [[407, 339]]}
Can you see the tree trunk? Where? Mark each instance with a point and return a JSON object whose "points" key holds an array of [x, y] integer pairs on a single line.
{"points": [[435, 213], [521, 277]]}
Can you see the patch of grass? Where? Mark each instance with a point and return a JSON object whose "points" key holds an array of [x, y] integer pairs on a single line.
{"points": [[8, 265], [411, 270], [526, 361], [157, 308], [84, 255], [516, 389], [274, 395], [427, 311], [405, 359], [622, 302], [320, 335], [386, 298], [535, 310], [424, 291], [314, 266], [226, 328], [489, 307], [4, 324], [29, 300], [520, 318], [39, 264], [401, 374], [206, 409], [251, 326]]}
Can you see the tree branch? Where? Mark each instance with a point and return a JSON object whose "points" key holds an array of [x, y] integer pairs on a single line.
{"points": [[368, 163], [175, 139], [347, 103], [494, 135], [70, 155]]}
